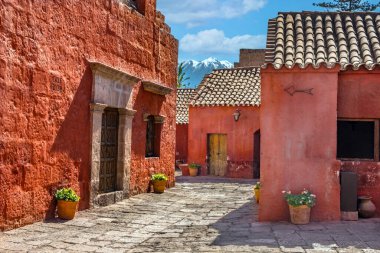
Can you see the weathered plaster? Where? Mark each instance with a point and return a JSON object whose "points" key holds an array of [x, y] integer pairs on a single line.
{"points": [[298, 141], [46, 88], [240, 136]]}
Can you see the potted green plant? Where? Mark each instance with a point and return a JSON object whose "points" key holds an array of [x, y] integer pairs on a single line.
{"points": [[159, 182], [256, 191], [193, 169], [300, 206], [67, 203]]}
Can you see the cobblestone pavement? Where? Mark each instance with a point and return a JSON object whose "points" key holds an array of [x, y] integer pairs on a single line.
{"points": [[198, 215]]}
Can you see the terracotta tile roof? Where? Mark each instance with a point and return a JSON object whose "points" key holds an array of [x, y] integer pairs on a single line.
{"points": [[184, 97], [315, 38], [230, 87]]}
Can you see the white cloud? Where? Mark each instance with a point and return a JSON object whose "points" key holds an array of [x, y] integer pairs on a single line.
{"points": [[215, 42], [195, 11]]}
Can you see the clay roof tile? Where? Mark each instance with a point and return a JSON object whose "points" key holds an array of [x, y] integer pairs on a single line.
{"points": [[323, 37], [184, 97], [240, 86]]}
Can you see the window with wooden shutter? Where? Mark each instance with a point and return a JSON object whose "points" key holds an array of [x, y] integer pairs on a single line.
{"points": [[153, 135], [150, 137]]}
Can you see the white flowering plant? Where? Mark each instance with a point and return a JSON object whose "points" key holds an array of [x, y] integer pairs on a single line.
{"points": [[305, 198]]}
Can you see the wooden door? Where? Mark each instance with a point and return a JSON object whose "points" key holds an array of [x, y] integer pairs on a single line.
{"points": [[108, 151], [217, 152]]}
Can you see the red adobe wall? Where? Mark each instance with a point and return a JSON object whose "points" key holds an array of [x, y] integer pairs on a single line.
{"points": [[358, 98], [219, 119], [181, 141], [298, 141], [45, 87]]}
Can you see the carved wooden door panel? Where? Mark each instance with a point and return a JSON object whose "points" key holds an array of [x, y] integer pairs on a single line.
{"points": [[213, 153], [217, 150], [109, 150]]}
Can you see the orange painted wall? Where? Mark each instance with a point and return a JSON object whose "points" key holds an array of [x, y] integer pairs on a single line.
{"points": [[298, 141], [181, 142], [45, 131], [207, 120], [358, 97]]}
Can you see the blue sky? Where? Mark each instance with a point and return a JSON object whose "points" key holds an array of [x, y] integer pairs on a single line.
{"points": [[218, 28]]}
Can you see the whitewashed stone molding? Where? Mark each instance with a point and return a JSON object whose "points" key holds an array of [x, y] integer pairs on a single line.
{"points": [[113, 73], [156, 88], [111, 88], [158, 119]]}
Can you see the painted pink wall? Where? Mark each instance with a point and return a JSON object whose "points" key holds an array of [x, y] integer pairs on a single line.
{"points": [[208, 120], [358, 94], [298, 141], [358, 97]]}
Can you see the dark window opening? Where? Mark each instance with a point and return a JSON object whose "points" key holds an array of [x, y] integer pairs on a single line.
{"points": [[356, 139], [138, 5], [153, 137]]}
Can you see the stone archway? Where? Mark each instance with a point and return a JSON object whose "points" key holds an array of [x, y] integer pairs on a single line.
{"points": [[111, 88]]}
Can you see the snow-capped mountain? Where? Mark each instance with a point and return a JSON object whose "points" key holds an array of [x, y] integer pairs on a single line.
{"points": [[196, 70]]}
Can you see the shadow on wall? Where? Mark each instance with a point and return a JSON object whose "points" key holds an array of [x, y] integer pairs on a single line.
{"points": [[145, 103], [241, 228], [71, 147]]}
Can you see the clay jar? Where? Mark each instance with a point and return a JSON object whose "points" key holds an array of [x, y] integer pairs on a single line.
{"points": [[185, 169], [366, 207]]}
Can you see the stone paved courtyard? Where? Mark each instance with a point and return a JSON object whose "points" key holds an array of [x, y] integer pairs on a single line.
{"points": [[198, 215]]}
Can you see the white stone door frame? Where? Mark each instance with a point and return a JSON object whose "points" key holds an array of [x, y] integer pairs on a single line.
{"points": [[111, 88]]}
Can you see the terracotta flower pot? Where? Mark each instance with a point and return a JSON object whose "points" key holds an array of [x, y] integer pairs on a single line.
{"points": [[366, 207], [299, 215], [193, 172], [67, 209], [159, 186], [257, 195], [185, 169]]}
